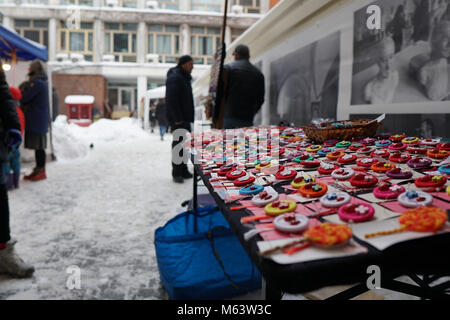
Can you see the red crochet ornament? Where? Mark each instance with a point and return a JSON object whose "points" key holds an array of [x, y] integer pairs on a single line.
{"points": [[243, 181], [398, 146], [286, 174], [429, 181], [444, 146], [417, 150], [397, 137], [366, 162], [327, 168], [223, 170], [235, 174], [348, 158], [400, 157], [382, 153], [363, 181], [438, 153]]}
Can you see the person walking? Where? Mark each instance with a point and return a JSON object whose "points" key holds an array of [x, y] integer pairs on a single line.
{"points": [[13, 160], [244, 90], [152, 117], [161, 115], [36, 103], [10, 137], [397, 26], [180, 113]]}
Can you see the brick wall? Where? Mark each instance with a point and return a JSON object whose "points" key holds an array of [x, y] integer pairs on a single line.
{"points": [[67, 84], [272, 3]]}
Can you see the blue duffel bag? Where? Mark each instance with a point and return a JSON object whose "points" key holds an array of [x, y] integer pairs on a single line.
{"points": [[200, 258]]}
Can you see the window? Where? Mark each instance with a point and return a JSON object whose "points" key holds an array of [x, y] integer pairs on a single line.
{"points": [[120, 41], [250, 6], [169, 4], [35, 1], [206, 5], [89, 3], [235, 33], [165, 41], [128, 3], [204, 44], [77, 40], [35, 30]]}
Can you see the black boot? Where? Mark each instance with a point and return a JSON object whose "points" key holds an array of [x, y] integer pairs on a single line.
{"points": [[9, 181], [177, 173], [187, 175], [4, 215], [178, 179], [185, 172], [16, 178]]}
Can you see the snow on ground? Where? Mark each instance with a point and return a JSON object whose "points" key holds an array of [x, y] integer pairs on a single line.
{"points": [[98, 210]]}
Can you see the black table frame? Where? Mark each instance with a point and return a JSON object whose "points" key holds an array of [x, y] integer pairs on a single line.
{"points": [[425, 257]]}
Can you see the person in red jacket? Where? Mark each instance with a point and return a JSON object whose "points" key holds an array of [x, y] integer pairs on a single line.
{"points": [[13, 161]]}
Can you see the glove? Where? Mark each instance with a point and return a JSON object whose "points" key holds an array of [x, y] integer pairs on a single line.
{"points": [[13, 138]]}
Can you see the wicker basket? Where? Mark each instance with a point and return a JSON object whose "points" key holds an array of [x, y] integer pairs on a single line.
{"points": [[359, 128]]}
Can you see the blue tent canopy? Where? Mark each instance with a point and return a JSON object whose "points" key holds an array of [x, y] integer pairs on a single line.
{"points": [[25, 49]]}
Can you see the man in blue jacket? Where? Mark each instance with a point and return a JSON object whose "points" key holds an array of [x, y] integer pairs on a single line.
{"points": [[180, 113], [37, 116]]}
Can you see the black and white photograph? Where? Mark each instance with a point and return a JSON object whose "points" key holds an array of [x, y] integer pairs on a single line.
{"points": [[407, 59], [427, 126], [304, 84]]}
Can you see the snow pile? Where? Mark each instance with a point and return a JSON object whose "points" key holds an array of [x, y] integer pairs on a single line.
{"points": [[71, 141], [105, 131], [65, 142]]}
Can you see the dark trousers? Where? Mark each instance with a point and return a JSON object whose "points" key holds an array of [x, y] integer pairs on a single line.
{"points": [[4, 211], [178, 151], [40, 158], [234, 123]]}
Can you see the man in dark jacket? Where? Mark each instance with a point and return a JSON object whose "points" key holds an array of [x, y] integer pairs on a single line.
{"points": [[180, 113], [37, 116], [9, 137], [161, 115], [244, 90]]}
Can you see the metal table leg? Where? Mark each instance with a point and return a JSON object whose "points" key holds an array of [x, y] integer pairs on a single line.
{"points": [[194, 197]]}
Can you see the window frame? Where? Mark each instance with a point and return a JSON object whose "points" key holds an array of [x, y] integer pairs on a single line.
{"points": [[169, 4], [132, 39], [88, 54], [31, 27], [256, 5], [75, 3], [122, 2], [204, 6], [204, 58], [174, 42]]}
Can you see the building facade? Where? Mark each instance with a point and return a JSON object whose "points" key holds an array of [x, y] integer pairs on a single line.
{"points": [[128, 45]]}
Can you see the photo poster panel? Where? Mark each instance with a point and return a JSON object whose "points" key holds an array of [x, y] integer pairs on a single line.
{"points": [[407, 59], [427, 125], [304, 83], [332, 69]]}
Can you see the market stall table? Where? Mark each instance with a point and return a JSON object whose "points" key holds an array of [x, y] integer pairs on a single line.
{"points": [[425, 256]]}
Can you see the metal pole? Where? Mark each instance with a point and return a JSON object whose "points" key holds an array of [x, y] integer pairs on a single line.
{"points": [[50, 100], [224, 25]]}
